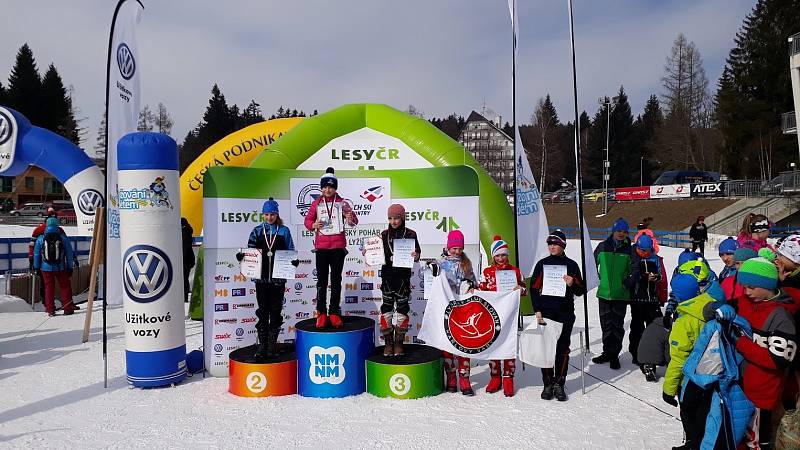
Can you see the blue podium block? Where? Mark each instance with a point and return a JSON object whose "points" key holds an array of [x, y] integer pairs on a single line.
{"points": [[330, 362]]}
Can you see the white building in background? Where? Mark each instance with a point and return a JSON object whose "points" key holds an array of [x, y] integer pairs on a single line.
{"points": [[491, 147]]}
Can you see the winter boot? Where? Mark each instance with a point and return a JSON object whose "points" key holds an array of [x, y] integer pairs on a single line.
{"points": [[613, 363], [336, 321], [399, 339], [650, 373], [272, 342], [465, 386], [450, 383], [508, 386], [558, 390], [547, 392], [388, 341], [495, 381], [262, 351], [602, 358], [322, 321], [686, 446]]}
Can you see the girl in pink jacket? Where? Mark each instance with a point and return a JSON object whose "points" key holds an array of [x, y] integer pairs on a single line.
{"points": [[327, 218]]}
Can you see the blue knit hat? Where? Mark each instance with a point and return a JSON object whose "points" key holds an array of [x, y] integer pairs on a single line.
{"points": [[329, 179], [728, 246], [270, 207], [686, 256], [684, 287], [758, 272], [645, 242], [620, 225], [743, 254]]}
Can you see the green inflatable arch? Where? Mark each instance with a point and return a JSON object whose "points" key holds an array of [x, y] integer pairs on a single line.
{"points": [[310, 135]]}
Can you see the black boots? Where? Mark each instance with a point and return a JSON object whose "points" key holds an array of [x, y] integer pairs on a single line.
{"points": [[547, 392], [267, 344], [558, 390]]}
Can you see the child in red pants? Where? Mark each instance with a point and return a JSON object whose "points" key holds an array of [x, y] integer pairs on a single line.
{"points": [[500, 263], [52, 258]]}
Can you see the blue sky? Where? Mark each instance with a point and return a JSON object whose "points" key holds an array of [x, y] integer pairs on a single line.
{"points": [[441, 56]]}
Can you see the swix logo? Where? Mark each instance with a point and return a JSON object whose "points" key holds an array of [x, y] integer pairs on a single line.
{"points": [[327, 365], [222, 336], [472, 325], [239, 278], [372, 194], [248, 319], [369, 273], [220, 292], [147, 273]]}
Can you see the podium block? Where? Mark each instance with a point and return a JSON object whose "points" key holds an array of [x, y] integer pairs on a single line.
{"points": [[263, 377], [330, 362], [416, 374]]}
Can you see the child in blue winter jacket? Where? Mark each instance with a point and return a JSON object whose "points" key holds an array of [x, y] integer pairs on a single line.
{"points": [[53, 259]]}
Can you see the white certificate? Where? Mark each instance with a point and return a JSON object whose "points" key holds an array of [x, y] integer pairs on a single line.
{"points": [[282, 267], [427, 283], [403, 248], [553, 281], [331, 218], [250, 266], [506, 280], [373, 251]]}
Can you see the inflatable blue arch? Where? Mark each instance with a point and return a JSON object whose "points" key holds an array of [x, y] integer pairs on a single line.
{"points": [[23, 144]]}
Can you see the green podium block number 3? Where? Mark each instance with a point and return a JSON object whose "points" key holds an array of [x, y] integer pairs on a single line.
{"points": [[400, 384]]}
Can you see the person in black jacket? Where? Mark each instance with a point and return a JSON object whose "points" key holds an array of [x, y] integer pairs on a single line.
{"points": [[188, 256], [559, 309], [395, 283], [699, 234], [645, 304]]}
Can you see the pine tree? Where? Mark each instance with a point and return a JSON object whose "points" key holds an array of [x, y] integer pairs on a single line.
{"points": [[54, 101], [24, 86], [147, 119], [163, 121], [451, 125], [252, 114], [3, 95], [624, 154], [646, 126]]}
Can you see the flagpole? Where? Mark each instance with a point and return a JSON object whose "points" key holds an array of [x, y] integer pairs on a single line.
{"points": [[578, 177], [514, 129]]}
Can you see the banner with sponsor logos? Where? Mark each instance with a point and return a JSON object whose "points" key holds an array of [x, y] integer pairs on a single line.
{"points": [[632, 193], [480, 325], [232, 204], [670, 191], [708, 189]]}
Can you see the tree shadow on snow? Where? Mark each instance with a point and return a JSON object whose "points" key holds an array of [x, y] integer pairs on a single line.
{"points": [[11, 437]]}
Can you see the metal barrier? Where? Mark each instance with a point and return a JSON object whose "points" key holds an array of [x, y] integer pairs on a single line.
{"points": [[14, 251], [677, 239]]}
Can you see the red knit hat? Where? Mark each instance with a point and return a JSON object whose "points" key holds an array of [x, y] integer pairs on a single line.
{"points": [[397, 210]]}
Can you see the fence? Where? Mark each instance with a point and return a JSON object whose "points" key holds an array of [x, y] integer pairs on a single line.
{"points": [[14, 251], [668, 238]]}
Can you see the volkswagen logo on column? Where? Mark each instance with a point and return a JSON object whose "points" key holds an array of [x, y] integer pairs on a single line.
{"points": [[89, 200], [125, 61], [147, 273]]}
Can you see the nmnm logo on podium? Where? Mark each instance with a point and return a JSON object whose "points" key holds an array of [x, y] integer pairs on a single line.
{"points": [[327, 365]]}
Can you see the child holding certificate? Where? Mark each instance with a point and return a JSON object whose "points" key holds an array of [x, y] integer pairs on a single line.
{"points": [[326, 218], [269, 237], [396, 282], [501, 276], [556, 273]]}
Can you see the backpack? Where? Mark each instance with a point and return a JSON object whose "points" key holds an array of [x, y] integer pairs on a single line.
{"points": [[53, 249]]}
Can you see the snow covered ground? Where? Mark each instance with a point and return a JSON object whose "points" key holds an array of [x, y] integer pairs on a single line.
{"points": [[52, 396]]}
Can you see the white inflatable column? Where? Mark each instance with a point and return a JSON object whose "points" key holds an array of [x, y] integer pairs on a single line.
{"points": [[152, 259]]}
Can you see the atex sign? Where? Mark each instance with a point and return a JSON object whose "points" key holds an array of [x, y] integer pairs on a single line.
{"points": [[708, 189]]}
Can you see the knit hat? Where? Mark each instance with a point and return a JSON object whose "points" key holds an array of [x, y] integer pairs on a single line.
{"points": [[790, 248], [758, 272], [728, 246], [620, 225], [397, 210], [686, 256], [557, 237], [499, 246], [455, 238], [645, 242], [329, 179], [270, 207], [743, 254], [684, 287], [767, 253], [761, 225]]}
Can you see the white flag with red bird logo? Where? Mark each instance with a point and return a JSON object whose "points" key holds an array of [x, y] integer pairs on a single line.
{"points": [[481, 325]]}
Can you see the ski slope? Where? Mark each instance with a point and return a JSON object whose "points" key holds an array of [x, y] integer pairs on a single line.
{"points": [[52, 396]]}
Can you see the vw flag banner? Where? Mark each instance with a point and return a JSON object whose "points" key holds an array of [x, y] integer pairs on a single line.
{"points": [[480, 325], [124, 98], [152, 264]]}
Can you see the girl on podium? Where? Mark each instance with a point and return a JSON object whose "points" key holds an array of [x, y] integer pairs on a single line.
{"points": [[327, 217]]}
